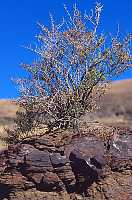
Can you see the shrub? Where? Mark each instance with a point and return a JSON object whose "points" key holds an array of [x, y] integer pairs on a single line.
{"points": [[74, 64]]}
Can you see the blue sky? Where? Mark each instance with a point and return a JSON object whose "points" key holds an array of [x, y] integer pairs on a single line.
{"points": [[18, 19]]}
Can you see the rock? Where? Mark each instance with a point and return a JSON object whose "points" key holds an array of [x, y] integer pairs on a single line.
{"points": [[34, 194], [44, 144], [81, 168], [51, 182], [87, 161], [37, 161], [116, 186], [57, 160], [3, 161], [63, 169], [16, 180], [29, 159], [36, 178], [5, 191], [121, 152], [47, 181], [67, 176]]}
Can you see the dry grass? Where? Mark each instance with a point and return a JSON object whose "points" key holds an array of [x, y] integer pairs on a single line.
{"points": [[8, 110], [2, 134]]}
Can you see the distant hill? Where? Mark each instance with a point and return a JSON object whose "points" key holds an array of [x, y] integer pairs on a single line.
{"points": [[8, 110], [116, 105]]}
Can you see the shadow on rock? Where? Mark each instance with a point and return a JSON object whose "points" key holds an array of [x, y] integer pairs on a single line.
{"points": [[5, 190]]}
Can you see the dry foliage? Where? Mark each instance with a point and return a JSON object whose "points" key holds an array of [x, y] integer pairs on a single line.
{"points": [[74, 64]]}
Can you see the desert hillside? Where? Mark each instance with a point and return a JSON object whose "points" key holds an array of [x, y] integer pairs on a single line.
{"points": [[8, 109], [116, 105]]}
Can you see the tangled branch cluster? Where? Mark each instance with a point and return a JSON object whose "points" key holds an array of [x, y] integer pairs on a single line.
{"points": [[74, 63]]}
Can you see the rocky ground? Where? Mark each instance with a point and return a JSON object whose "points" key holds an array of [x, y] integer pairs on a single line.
{"points": [[94, 164], [68, 166]]}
